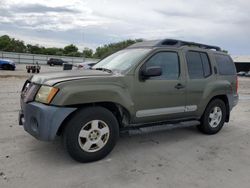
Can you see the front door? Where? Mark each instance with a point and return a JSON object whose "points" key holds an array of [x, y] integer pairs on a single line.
{"points": [[162, 97]]}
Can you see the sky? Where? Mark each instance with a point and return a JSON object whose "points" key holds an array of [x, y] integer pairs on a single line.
{"points": [[91, 23]]}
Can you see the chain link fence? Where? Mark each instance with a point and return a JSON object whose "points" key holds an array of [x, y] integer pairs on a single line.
{"points": [[25, 58]]}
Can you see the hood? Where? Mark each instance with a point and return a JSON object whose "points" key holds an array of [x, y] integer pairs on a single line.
{"points": [[55, 77]]}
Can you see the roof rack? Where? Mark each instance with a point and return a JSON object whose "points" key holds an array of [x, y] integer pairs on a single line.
{"points": [[173, 43]]}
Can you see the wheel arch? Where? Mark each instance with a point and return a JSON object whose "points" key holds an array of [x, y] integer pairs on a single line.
{"points": [[224, 98], [120, 112]]}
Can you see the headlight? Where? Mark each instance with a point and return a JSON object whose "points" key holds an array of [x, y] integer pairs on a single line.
{"points": [[46, 94]]}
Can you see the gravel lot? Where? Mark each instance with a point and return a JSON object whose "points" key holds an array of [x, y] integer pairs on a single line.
{"points": [[175, 158], [21, 72]]}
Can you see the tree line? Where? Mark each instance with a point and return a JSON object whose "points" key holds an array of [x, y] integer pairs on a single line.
{"points": [[13, 45]]}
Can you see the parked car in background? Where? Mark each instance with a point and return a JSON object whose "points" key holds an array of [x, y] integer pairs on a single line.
{"points": [[53, 61], [6, 64], [241, 73], [247, 74]]}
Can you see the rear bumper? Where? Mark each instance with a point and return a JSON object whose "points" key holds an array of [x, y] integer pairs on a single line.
{"points": [[233, 100], [43, 121]]}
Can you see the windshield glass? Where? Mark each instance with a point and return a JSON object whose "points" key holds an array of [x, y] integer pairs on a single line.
{"points": [[123, 60]]}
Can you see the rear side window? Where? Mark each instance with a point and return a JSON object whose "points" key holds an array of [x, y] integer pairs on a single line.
{"points": [[206, 64], [198, 65], [225, 65]]}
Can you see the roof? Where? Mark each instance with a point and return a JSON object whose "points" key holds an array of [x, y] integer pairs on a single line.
{"points": [[6, 60], [241, 58], [172, 43]]}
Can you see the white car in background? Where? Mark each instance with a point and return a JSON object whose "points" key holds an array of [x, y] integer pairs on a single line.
{"points": [[247, 74], [84, 65]]}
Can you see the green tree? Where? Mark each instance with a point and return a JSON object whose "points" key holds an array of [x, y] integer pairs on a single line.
{"points": [[108, 49], [70, 49], [18, 46], [11, 44], [74, 54], [53, 51], [87, 53], [4, 41], [34, 49]]}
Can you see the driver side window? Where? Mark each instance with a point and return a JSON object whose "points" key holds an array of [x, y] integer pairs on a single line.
{"points": [[168, 62]]}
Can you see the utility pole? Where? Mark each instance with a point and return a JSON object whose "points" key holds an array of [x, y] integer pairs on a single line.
{"points": [[83, 58]]}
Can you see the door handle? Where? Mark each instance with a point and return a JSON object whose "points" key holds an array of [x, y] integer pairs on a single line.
{"points": [[179, 86]]}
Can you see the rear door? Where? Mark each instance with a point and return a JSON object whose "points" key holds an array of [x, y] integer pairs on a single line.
{"points": [[198, 79]]}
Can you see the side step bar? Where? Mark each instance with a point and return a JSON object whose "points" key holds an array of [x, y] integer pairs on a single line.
{"points": [[156, 128]]}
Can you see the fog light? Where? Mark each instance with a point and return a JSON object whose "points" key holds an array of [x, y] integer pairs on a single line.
{"points": [[22, 120], [34, 124]]}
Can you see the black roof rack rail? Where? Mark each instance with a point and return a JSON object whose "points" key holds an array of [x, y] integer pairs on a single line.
{"points": [[179, 43], [173, 43]]}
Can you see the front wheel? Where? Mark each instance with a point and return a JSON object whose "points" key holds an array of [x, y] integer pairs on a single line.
{"points": [[91, 134], [213, 118], [8, 67]]}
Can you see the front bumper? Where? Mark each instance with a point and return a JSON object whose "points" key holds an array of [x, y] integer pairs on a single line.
{"points": [[43, 121]]}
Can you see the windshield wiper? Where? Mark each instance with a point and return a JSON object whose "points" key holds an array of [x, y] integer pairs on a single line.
{"points": [[103, 69]]}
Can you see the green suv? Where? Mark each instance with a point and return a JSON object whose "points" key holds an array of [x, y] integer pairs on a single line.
{"points": [[146, 84]]}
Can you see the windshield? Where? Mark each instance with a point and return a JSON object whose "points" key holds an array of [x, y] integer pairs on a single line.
{"points": [[122, 61]]}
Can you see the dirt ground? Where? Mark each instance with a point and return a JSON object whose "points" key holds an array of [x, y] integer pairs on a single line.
{"points": [[175, 158]]}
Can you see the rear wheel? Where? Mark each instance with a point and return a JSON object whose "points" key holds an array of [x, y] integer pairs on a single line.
{"points": [[213, 118], [91, 134]]}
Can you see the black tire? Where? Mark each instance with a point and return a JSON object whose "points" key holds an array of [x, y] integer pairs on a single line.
{"points": [[8, 67], [205, 126], [5, 67], [12, 68], [75, 125]]}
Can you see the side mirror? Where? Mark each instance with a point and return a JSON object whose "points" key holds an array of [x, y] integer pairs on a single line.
{"points": [[151, 72]]}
